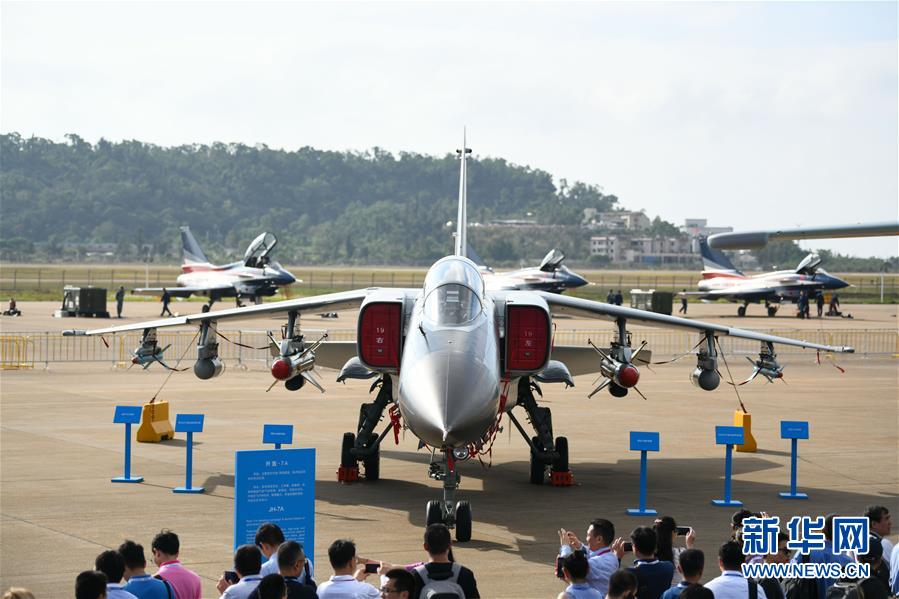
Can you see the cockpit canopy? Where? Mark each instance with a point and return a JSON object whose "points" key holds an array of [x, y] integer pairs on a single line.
{"points": [[257, 254], [453, 292]]}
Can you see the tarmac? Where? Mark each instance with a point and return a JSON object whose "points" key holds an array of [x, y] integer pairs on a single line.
{"points": [[59, 448]]}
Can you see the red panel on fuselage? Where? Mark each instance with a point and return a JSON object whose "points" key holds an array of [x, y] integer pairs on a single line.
{"points": [[380, 334], [527, 338]]}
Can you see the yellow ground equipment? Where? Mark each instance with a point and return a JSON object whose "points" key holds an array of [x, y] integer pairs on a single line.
{"points": [[744, 421], [154, 423], [14, 352]]}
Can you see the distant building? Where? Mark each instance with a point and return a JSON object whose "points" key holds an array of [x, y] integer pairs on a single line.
{"points": [[621, 249], [696, 227], [624, 220]]}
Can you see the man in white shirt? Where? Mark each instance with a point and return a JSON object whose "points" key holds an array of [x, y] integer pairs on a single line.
{"points": [[247, 563], [731, 584], [112, 564], [348, 575], [269, 537], [598, 548]]}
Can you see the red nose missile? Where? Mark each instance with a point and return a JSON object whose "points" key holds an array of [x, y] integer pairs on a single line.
{"points": [[628, 376]]}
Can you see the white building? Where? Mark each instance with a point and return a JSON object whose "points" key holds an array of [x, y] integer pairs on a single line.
{"points": [[624, 219], [643, 250]]}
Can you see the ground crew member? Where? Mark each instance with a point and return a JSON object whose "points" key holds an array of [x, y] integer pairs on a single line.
{"points": [[683, 302], [166, 298], [119, 300]]}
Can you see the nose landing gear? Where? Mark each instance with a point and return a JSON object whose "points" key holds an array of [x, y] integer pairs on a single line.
{"points": [[452, 513]]}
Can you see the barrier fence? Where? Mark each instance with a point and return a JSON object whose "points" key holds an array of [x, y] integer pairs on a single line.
{"points": [[25, 350], [23, 277]]}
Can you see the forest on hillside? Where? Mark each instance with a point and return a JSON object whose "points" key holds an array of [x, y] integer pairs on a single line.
{"points": [[358, 208]]}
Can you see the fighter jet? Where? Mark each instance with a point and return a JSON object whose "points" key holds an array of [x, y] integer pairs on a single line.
{"points": [[551, 275], [452, 358], [255, 277], [722, 280]]}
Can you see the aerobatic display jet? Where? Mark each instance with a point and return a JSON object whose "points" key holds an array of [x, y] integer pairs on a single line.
{"points": [[551, 275], [722, 280], [255, 277], [451, 359]]}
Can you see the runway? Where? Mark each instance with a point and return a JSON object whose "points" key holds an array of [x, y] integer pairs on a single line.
{"points": [[59, 448]]}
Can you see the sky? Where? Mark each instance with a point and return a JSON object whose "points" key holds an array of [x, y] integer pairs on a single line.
{"points": [[749, 114]]}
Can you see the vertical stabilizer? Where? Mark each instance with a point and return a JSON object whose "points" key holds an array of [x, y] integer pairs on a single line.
{"points": [[462, 218], [191, 249], [715, 259]]}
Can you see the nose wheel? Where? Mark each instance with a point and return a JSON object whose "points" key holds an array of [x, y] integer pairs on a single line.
{"points": [[454, 514]]}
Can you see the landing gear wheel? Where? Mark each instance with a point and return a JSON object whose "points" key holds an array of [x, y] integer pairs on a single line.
{"points": [[206, 308], [741, 311], [372, 465], [347, 459], [463, 521], [538, 468], [433, 513], [560, 464], [772, 311]]}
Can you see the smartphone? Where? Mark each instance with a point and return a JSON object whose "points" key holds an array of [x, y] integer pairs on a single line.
{"points": [[372, 567], [683, 531], [559, 573], [231, 576], [628, 547]]}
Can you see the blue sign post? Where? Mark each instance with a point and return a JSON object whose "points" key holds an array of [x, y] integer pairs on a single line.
{"points": [[729, 436], [275, 485], [127, 415], [279, 434], [190, 424], [643, 442], [793, 430]]}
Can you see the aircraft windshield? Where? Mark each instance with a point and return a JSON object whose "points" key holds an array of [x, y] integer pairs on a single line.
{"points": [[451, 305]]}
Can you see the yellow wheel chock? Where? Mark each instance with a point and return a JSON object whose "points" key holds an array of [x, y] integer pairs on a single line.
{"points": [[154, 423]]}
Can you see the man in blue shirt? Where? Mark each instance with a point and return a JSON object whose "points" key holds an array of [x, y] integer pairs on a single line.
{"points": [[574, 569], [139, 583], [113, 566], [654, 576], [601, 560], [690, 565]]}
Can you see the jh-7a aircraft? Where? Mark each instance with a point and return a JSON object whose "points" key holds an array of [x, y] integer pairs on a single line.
{"points": [[257, 276], [551, 275], [453, 357], [722, 280]]}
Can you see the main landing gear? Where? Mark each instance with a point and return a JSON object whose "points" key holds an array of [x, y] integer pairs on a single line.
{"points": [[772, 309], [547, 457], [741, 310], [365, 445]]}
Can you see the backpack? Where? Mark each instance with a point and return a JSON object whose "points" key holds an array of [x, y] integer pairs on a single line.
{"points": [[443, 588], [845, 590], [801, 588]]}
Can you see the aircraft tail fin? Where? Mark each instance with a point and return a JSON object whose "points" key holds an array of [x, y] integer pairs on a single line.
{"points": [[461, 248], [190, 248], [715, 259]]}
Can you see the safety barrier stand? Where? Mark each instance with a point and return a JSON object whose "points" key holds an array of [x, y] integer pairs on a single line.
{"points": [[729, 436], [643, 442], [127, 415], [278, 434], [793, 430], [190, 424]]}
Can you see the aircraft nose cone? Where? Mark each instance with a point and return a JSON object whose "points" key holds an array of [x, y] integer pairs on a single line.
{"points": [[448, 399], [577, 281], [286, 278], [837, 283]]}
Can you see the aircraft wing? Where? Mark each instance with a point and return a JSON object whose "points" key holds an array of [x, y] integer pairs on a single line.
{"points": [[344, 300], [562, 304], [334, 354], [179, 291]]}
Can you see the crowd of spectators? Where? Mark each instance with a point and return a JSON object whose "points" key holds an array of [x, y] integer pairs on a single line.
{"points": [[660, 568]]}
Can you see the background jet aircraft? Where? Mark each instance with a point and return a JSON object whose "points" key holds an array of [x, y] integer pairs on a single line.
{"points": [[722, 280], [253, 278], [551, 275], [454, 359]]}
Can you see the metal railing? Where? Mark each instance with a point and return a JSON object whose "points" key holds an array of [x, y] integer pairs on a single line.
{"points": [[24, 350]]}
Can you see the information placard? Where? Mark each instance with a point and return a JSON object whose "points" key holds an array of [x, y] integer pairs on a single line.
{"points": [[641, 441], [275, 485], [127, 415], [189, 423], [729, 435], [281, 434], [793, 429]]}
